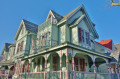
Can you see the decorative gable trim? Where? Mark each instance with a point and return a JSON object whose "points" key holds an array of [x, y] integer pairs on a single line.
{"points": [[50, 14], [74, 13], [90, 22], [19, 29]]}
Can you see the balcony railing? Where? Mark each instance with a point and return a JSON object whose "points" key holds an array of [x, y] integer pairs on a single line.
{"points": [[21, 53], [42, 44]]}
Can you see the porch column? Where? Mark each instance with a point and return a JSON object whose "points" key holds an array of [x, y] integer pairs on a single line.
{"points": [[8, 71], [60, 64], [22, 63], [116, 68], [67, 68], [41, 61], [117, 71], [94, 64], [28, 68], [45, 66], [108, 67], [46, 62], [73, 64]]}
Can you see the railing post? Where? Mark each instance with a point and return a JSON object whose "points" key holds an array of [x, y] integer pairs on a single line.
{"points": [[95, 75], [117, 71], [44, 75]]}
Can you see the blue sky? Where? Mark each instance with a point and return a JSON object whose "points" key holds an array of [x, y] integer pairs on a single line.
{"points": [[101, 13]]}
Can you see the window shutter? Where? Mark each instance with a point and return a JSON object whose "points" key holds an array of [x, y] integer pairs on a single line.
{"points": [[79, 31], [21, 48], [18, 48]]}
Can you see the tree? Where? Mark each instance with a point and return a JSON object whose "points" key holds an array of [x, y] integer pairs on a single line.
{"points": [[115, 3]]}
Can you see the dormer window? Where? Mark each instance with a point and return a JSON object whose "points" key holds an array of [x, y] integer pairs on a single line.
{"points": [[20, 47], [81, 35], [84, 36], [87, 35]]}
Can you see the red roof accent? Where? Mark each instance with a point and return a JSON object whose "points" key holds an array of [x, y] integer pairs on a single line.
{"points": [[106, 43]]}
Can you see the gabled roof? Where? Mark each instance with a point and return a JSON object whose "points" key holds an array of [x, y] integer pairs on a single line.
{"points": [[66, 16], [77, 20], [29, 26], [6, 47], [57, 16], [107, 43]]}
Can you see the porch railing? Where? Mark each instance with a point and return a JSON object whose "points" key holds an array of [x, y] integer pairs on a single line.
{"points": [[67, 75]]}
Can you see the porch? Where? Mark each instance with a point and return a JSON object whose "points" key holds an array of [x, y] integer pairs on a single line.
{"points": [[66, 63]]}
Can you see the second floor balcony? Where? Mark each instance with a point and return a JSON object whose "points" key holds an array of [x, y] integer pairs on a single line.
{"points": [[38, 45]]}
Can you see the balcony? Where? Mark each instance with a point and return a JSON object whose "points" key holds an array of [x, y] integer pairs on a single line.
{"points": [[38, 45]]}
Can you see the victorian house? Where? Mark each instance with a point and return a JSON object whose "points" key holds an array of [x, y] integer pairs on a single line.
{"points": [[63, 47]]}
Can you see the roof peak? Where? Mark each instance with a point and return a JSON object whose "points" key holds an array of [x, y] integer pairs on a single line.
{"points": [[65, 17], [24, 20]]}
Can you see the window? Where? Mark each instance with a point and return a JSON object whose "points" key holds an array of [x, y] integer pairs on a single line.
{"points": [[87, 38], [76, 64], [82, 35], [79, 64], [20, 47]]}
